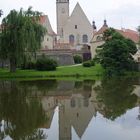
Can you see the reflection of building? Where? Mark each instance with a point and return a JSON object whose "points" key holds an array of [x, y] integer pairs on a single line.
{"points": [[77, 106], [76, 109], [75, 112]]}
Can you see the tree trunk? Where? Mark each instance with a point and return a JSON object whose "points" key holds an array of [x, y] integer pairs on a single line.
{"points": [[13, 64]]}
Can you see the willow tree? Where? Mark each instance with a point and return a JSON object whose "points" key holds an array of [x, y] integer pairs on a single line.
{"points": [[21, 33]]}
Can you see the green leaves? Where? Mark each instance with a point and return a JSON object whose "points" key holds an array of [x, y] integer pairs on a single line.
{"points": [[116, 53], [21, 33]]}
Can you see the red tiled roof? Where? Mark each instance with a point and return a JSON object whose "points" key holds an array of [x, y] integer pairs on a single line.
{"points": [[127, 33], [42, 19], [131, 34]]}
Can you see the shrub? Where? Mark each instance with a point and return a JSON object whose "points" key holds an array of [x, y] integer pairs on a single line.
{"points": [[77, 59], [28, 65], [87, 64], [92, 62], [47, 64]]}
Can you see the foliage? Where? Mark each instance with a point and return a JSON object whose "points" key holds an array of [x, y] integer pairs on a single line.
{"points": [[1, 12], [21, 33], [28, 65], [138, 29], [115, 96], [61, 72], [22, 115], [46, 64], [92, 62], [87, 64], [77, 59], [116, 53]]}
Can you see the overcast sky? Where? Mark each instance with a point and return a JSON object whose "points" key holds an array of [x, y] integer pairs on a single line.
{"points": [[119, 13]]}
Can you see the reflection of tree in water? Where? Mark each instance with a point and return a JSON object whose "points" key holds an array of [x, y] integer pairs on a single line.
{"points": [[116, 96], [21, 115], [40, 85]]}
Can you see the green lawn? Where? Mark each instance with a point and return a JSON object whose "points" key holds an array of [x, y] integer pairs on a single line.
{"points": [[75, 71]]}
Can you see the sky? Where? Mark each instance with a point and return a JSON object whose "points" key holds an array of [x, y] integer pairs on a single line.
{"points": [[118, 13]]}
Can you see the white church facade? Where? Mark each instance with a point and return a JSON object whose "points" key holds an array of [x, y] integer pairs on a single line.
{"points": [[72, 30]]}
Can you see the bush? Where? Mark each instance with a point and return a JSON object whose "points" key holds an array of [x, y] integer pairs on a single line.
{"points": [[47, 64], [87, 64], [28, 65], [92, 62], [77, 59]]}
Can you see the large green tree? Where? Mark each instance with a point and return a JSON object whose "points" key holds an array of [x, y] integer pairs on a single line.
{"points": [[21, 33], [115, 96], [138, 29], [116, 53]]}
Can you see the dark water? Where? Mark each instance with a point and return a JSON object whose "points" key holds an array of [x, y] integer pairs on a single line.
{"points": [[70, 110]]}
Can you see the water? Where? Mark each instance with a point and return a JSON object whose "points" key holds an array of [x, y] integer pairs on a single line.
{"points": [[70, 110]]}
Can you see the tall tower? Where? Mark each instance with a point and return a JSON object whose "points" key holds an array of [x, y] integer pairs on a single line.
{"points": [[62, 12]]}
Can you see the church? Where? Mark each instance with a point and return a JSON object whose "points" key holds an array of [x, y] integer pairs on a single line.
{"points": [[75, 30]]}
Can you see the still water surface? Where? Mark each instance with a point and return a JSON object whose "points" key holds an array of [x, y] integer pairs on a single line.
{"points": [[70, 110]]}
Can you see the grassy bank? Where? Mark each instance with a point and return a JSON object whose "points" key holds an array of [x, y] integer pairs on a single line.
{"points": [[61, 72]]}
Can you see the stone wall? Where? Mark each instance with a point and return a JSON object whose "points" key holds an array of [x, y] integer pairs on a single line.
{"points": [[62, 56]]}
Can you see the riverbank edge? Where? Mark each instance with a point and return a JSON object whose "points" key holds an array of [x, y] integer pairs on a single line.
{"points": [[62, 73], [74, 72]]}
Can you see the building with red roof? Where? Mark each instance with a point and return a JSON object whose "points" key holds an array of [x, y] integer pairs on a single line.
{"points": [[50, 37], [98, 40]]}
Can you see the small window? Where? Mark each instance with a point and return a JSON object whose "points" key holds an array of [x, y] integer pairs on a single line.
{"points": [[85, 38], [47, 39], [75, 26]]}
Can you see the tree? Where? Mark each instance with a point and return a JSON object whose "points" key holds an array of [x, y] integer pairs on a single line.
{"points": [[1, 12], [138, 29], [115, 96], [22, 115], [21, 33], [116, 53]]}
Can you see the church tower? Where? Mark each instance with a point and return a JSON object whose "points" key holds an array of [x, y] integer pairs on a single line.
{"points": [[62, 12]]}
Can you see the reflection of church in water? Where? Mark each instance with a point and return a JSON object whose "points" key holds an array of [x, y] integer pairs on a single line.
{"points": [[76, 109]]}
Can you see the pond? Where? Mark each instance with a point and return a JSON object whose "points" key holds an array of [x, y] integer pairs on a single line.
{"points": [[70, 110]]}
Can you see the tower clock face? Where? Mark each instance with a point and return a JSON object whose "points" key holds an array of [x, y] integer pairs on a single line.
{"points": [[63, 10]]}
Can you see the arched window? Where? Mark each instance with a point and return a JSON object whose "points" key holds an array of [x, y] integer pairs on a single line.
{"points": [[85, 38], [71, 39]]}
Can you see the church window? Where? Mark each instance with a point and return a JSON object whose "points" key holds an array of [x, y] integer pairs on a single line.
{"points": [[71, 39], [75, 26], [85, 38]]}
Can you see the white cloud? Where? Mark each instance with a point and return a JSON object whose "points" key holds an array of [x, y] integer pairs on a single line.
{"points": [[113, 10]]}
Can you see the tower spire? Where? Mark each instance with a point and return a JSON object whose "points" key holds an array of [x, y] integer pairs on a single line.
{"points": [[93, 25], [105, 23]]}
